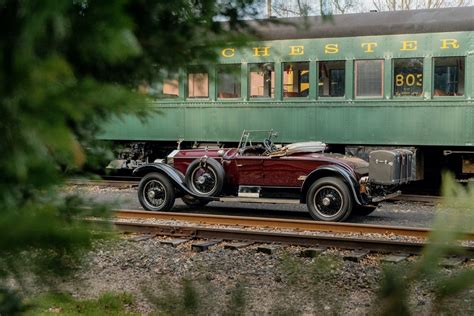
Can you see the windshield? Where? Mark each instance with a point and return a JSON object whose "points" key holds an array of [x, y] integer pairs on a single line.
{"points": [[255, 137]]}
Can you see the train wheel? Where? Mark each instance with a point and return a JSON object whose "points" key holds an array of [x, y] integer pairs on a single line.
{"points": [[156, 193], [205, 177], [191, 201], [329, 200]]}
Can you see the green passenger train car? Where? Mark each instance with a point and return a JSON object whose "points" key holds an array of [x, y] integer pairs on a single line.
{"points": [[355, 82]]}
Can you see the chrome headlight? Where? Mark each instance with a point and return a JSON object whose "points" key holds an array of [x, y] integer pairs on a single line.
{"points": [[170, 157]]}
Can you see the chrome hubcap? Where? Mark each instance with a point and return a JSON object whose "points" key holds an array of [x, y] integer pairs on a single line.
{"points": [[151, 194], [326, 201], [202, 179]]}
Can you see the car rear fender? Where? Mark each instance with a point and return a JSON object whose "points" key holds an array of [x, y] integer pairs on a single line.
{"points": [[175, 176], [332, 171]]}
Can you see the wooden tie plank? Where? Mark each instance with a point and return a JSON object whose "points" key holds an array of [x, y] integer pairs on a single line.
{"points": [[237, 245], [356, 256], [203, 246], [174, 242], [395, 258]]}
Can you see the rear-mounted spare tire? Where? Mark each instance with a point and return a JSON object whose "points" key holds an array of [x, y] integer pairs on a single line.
{"points": [[205, 177]]}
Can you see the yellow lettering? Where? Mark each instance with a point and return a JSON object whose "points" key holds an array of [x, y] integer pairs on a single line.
{"points": [[228, 52], [409, 45], [445, 43], [369, 47], [399, 80], [331, 49], [410, 80], [296, 50], [419, 80], [261, 51]]}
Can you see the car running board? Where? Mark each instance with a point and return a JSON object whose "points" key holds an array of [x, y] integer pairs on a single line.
{"points": [[258, 200], [386, 197]]}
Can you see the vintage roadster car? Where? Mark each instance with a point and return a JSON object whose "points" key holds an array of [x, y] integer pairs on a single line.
{"points": [[332, 185]]}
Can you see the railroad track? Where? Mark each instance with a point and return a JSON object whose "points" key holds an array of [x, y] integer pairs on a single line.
{"points": [[134, 183], [237, 232]]}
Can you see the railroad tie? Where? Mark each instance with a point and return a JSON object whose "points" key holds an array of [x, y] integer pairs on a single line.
{"points": [[237, 245], [395, 258], [312, 252], [269, 250], [355, 256], [203, 246], [174, 242]]}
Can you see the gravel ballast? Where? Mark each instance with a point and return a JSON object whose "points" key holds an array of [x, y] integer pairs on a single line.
{"points": [[276, 282], [282, 282]]}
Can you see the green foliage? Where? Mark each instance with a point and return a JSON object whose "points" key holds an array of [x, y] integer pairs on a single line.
{"points": [[66, 67], [106, 304], [10, 303], [313, 280], [196, 297], [455, 217], [238, 301], [320, 269]]}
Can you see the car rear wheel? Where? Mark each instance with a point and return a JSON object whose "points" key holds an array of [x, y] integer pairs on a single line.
{"points": [[156, 193], [205, 177], [329, 200]]}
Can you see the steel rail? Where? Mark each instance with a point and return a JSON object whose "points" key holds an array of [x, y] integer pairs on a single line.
{"points": [[294, 224], [377, 245]]}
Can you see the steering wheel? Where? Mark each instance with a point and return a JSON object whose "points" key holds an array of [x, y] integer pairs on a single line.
{"points": [[269, 146]]}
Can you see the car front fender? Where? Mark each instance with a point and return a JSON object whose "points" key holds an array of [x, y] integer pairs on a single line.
{"points": [[331, 171], [175, 176]]}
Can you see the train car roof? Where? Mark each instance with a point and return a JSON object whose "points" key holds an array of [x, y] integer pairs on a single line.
{"points": [[366, 24]]}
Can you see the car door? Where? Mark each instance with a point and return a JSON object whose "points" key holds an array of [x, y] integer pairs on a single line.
{"points": [[249, 169], [284, 171]]}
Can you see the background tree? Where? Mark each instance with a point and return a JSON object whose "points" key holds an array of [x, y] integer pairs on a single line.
{"points": [[395, 5], [66, 66], [290, 8]]}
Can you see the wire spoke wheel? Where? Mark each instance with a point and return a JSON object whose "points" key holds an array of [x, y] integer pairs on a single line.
{"points": [[328, 200], [203, 180], [154, 193]]}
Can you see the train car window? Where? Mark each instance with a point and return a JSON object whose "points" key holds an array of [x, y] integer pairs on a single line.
{"points": [[198, 83], [295, 79], [262, 80], [145, 88], [170, 86], [369, 78], [449, 76], [408, 77], [332, 78], [228, 81]]}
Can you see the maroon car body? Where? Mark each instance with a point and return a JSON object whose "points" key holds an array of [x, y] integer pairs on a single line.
{"points": [[332, 185]]}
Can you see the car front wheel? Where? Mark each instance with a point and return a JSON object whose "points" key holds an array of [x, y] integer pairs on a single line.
{"points": [[156, 193], [329, 199]]}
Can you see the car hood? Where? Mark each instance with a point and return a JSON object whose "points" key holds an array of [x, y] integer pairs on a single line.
{"points": [[360, 166]]}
